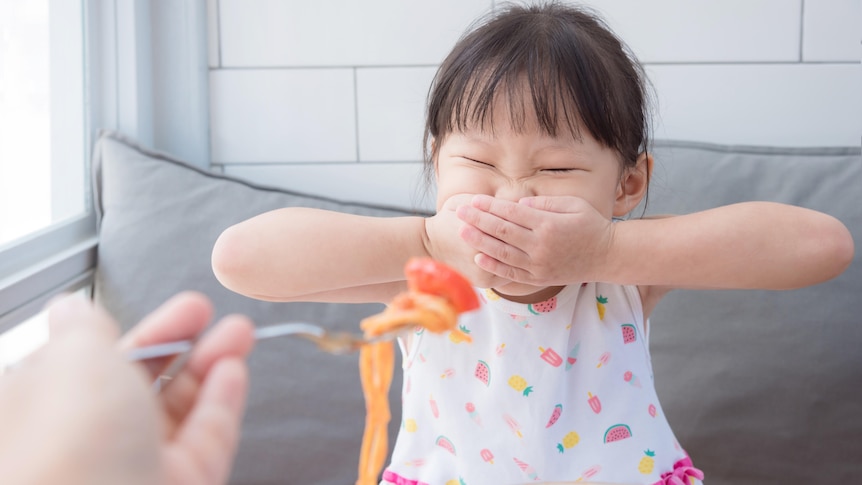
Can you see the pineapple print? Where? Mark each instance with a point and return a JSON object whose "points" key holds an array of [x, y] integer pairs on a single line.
{"points": [[491, 294], [647, 463], [410, 425], [463, 335], [569, 441], [601, 301], [519, 384]]}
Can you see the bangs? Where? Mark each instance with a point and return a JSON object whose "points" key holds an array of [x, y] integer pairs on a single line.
{"points": [[524, 87], [561, 65]]}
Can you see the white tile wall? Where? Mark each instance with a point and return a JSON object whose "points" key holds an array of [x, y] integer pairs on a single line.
{"points": [[388, 184], [681, 31], [283, 115], [341, 32], [297, 85], [213, 33], [391, 103], [761, 104], [831, 30]]}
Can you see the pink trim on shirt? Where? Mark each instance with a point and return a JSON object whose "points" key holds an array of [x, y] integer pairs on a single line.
{"points": [[397, 479], [682, 472]]}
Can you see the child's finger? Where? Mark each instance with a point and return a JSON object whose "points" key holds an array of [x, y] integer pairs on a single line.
{"points": [[519, 214], [499, 250], [495, 226], [498, 268], [560, 204]]}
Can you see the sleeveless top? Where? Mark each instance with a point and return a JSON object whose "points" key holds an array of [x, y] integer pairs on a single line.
{"points": [[560, 390]]}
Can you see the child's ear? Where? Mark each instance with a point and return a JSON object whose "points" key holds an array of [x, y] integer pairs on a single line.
{"points": [[633, 185]]}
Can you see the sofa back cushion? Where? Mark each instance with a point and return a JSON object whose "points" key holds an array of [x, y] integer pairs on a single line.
{"points": [[760, 387], [159, 219]]}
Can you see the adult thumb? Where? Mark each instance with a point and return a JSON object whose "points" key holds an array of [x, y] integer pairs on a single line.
{"points": [[75, 313]]}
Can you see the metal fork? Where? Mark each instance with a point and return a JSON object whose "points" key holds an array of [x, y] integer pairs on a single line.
{"points": [[332, 342]]}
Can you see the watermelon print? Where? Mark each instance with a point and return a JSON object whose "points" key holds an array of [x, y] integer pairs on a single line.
{"points": [[558, 410], [445, 443], [589, 380], [617, 432], [629, 334], [483, 373], [544, 306]]}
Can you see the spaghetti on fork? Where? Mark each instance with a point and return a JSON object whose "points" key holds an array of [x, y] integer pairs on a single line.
{"points": [[436, 295]]}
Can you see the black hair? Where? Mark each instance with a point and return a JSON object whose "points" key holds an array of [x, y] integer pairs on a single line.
{"points": [[576, 70]]}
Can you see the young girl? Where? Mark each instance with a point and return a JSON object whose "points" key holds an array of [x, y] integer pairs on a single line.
{"points": [[537, 136]]}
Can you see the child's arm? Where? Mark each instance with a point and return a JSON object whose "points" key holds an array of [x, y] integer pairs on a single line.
{"points": [[316, 255], [754, 245], [561, 240]]}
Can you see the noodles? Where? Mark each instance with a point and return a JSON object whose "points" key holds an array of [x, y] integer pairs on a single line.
{"points": [[376, 362], [436, 295]]}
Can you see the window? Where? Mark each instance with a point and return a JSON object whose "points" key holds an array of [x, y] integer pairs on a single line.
{"points": [[47, 230], [69, 68], [42, 156]]}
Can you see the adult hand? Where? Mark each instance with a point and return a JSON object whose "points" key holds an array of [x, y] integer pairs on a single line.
{"points": [[542, 241], [77, 412], [444, 243]]}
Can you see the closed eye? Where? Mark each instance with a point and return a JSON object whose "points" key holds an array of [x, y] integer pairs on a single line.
{"points": [[560, 170], [477, 161]]}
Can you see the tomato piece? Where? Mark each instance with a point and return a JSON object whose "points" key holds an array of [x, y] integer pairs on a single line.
{"points": [[426, 275]]}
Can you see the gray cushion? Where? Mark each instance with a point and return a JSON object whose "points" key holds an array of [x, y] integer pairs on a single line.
{"points": [[763, 387], [159, 220], [760, 387]]}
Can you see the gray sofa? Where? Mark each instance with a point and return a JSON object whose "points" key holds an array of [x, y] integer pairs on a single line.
{"points": [[760, 387]]}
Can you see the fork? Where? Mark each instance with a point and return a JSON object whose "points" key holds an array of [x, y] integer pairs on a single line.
{"points": [[338, 343], [332, 342]]}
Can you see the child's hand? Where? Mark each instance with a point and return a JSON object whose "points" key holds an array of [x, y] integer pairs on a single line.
{"points": [[541, 241], [444, 244]]}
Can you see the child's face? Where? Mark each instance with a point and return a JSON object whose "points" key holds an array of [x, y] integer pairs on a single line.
{"points": [[512, 164]]}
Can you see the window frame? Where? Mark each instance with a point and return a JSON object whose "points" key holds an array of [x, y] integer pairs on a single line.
{"points": [[122, 53]]}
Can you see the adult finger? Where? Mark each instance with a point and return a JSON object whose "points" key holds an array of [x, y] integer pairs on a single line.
{"points": [[232, 337], [69, 315], [206, 441], [181, 317]]}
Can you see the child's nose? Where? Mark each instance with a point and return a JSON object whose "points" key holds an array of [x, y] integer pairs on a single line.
{"points": [[514, 191]]}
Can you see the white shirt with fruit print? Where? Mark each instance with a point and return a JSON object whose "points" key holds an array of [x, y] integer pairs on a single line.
{"points": [[560, 390]]}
